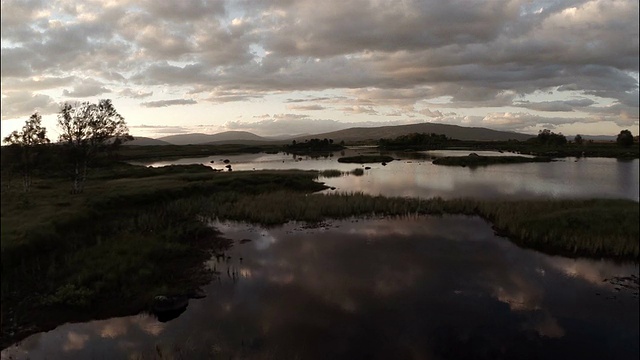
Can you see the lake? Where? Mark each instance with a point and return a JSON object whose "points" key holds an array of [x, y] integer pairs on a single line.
{"points": [[414, 175], [380, 288]]}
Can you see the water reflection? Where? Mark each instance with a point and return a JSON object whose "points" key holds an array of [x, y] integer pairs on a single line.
{"points": [[413, 174], [416, 287]]}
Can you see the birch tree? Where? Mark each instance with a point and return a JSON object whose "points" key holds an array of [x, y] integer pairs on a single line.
{"points": [[28, 141], [86, 130]]}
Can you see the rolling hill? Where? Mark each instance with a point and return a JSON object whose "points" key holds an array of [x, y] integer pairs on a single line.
{"points": [[390, 132], [347, 135], [223, 137], [143, 141]]}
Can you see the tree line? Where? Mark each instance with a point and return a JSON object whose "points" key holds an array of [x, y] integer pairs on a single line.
{"points": [[86, 131]]}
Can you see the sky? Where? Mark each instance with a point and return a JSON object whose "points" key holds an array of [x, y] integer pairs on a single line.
{"points": [[287, 67]]}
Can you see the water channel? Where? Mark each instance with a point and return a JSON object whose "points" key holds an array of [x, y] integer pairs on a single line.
{"points": [[413, 174]]}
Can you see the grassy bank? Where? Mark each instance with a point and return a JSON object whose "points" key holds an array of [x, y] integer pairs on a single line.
{"points": [[133, 233], [476, 160]]}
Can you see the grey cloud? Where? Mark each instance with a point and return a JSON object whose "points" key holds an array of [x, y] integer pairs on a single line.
{"points": [[380, 53], [86, 90], [15, 13], [24, 103], [222, 96], [523, 121], [184, 10], [568, 105], [14, 62], [305, 107], [160, 129], [164, 103], [33, 84], [429, 113], [339, 27], [165, 74], [140, 94], [308, 99], [357, 109]]}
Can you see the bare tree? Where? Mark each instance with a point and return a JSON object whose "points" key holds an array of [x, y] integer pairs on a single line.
{"points": [[88, 129], [27, 141]]}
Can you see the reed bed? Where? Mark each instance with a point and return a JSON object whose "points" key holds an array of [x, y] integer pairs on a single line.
{"points": [[607, 228]]}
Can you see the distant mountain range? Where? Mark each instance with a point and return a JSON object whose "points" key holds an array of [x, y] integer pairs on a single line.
{"points": [[191, 139], [390, 132], [143, 141], [347, 135]]}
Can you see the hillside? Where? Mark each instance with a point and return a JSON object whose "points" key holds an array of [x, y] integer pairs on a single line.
{"points": [[227, 136], [144, 141], [451, 131]]}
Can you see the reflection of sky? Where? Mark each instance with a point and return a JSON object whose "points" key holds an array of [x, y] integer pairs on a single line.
{"points": [[379, 288], [587, 177]]}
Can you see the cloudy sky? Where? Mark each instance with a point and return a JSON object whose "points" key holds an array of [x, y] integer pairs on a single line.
{"points": [[278, 67]]}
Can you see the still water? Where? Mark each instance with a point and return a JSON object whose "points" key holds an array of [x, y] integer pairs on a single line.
{"points": [[413, 174], [381, 288]]}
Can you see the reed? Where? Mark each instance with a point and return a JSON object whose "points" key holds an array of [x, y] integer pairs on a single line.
{"points": [[330, 173], [574, 227]]}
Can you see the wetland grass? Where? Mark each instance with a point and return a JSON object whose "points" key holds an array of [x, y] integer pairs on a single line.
{"points": [[331, 173], [597, 228], [138, 231]]}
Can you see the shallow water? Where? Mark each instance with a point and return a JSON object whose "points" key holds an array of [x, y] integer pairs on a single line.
{"points": [[412, 287], [414, 175]]}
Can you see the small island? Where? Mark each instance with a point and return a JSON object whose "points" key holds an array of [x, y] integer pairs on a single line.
{"points": [[474, 159], [366, 159]]}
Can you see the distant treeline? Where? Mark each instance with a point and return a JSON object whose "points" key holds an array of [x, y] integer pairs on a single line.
{"points": [[546, 143], [314, 145], [421, 141]]}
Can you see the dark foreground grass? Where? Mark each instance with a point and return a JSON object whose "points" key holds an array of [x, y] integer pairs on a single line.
{"points": [[136, 232]]}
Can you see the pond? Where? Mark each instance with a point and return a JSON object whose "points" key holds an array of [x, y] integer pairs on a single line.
{"points": [[381, 288], [413, 174]]}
